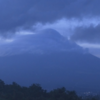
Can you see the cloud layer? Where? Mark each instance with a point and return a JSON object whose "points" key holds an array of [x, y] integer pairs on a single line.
{"points": [[16, 14], [87, 34]]}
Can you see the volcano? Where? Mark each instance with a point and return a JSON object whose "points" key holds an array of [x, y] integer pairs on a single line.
{"points": [[60, 63]]}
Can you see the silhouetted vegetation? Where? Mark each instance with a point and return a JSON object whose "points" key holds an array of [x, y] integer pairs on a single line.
{"points": [[35, 92]]}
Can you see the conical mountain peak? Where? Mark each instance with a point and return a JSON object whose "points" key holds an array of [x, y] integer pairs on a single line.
{"points": [[50, 34]]}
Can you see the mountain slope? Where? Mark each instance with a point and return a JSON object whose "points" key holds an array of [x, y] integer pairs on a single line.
{"points": [[70, 69]]}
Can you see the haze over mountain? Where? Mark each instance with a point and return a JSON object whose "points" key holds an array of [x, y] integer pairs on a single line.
{"points": [[45, 41], [51, 60]]}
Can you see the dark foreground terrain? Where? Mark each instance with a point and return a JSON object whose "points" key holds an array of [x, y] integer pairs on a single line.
{"points": [[35, 92]]}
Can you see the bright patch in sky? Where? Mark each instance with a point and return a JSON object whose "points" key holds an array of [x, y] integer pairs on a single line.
{"points": [[67, 26], [93, 48], [2, 40], [24, 32], [88, 45]]}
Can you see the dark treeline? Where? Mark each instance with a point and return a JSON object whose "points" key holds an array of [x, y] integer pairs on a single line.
{"points": [[35, 92]]}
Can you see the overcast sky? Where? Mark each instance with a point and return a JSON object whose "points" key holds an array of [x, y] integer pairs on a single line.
{"points": [[79, 20]]}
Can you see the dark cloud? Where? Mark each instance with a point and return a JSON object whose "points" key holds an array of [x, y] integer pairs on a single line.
{"points": [[16, 14], [87, 34]]}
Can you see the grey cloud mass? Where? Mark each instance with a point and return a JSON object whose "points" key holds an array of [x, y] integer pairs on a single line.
{"points": [[16, 14], [87, 34]]}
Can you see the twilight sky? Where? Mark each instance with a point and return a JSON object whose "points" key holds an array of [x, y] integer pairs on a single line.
{"points": [[79, 20]]}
